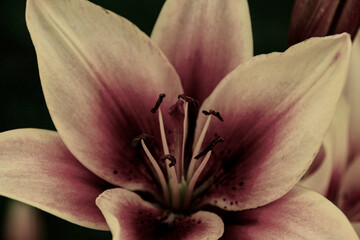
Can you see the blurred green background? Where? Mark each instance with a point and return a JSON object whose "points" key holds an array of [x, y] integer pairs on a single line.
{"points": [[22, 103]]}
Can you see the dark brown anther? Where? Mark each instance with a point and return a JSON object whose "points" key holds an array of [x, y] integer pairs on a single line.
{"points": [[210, 147], [169, 157], [158, 102], [137, 139], [189, 99], [212, 112]]}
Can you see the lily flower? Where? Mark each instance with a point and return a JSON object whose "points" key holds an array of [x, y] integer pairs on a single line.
{"points": [[123, 105], [348, 198], [336, 174]]}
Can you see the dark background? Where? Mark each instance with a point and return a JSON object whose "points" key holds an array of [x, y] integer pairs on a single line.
{"points": [[22, 103]]}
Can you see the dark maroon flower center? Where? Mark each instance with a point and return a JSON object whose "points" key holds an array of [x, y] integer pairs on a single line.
{"points": [[179, 176]]}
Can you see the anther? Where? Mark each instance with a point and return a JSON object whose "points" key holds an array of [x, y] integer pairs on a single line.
{"points": [[189, 99], [137, 139], [210, 147], [212, 112], [169, 157], [158, 102]]}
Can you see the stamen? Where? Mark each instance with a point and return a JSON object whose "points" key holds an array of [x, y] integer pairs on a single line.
{"points": [[158, 172], [212, 112], [175, 195], [169, 157], [197, 149], [158, 102], [194, 178], [171, 172], [199, 142], [210, 147], [136, 140], [185, 133], [189, 99], [162, 133]]}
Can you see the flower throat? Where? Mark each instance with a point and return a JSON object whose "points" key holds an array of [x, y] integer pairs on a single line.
{"points": [[179, 181]]}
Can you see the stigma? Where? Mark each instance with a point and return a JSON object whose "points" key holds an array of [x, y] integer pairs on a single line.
{"points": [[178, 169]]}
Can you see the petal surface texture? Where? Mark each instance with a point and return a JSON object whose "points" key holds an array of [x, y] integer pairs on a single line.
{"points": [[300, 214], [353, 93], [204, 40], [36, 168], [101, 76], [130, 217], [318, 177], [276, 110], [324, 176], [349, 193]]}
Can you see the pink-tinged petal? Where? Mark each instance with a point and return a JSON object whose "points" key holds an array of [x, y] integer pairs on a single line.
{"points": [[300, 214], [352, 89], [130, 217], [356, 226], [204, 40], [318, 177], [36, 168], [339, 134], [311, 19], [276, 110], [325, 174], [101, 76], [349, 193]]}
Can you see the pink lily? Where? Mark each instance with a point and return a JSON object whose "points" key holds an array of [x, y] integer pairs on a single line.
{"points": [[334, 172], [101, 76], [337, 175], [349, 191]]}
